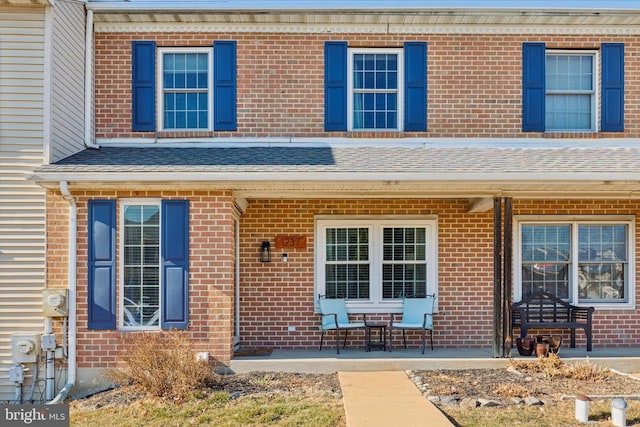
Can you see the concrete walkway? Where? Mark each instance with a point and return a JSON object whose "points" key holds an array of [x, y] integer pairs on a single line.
{"points": [[386, 398]]}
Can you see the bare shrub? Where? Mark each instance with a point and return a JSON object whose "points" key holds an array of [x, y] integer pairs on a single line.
{"points": [[553, 366], [162, 364], [585, 371], [511, 390]]}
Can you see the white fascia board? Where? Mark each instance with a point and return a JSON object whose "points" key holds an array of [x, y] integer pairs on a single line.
{"points": [[299, 142], [326, 177]]}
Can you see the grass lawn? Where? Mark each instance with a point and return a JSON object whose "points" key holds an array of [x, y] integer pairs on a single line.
{"points": [[218, 409]]}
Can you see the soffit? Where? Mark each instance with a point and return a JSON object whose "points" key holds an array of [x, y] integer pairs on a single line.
{"points": [[26, 2], [419, 18]]}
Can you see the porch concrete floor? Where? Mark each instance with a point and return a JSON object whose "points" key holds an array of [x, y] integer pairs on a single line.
{"points": [[625, 360]]}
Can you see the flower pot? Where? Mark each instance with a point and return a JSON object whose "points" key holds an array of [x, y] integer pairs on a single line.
{"points": [[525, 346], [542, 349], [554, 344]]}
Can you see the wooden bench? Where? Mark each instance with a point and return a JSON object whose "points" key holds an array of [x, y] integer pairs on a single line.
{"points": [[543, 310]]}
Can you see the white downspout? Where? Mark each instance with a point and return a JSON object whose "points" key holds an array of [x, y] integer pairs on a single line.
{"points": [[71, 361], [88, 80]]}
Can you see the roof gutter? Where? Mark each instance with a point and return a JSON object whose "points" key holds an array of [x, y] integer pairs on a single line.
{"points": [[88, 80], [71, 362], [162, 175]]}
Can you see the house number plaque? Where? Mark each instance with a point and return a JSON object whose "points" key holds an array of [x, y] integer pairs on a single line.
{"points": [[291, 242]]}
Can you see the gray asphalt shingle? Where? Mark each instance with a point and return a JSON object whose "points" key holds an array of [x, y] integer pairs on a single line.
{"points": [[355, 159]]}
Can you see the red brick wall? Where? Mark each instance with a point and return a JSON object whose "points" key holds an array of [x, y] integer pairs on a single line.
{"points": [[277, 295], [211, 271], [474, 82]]}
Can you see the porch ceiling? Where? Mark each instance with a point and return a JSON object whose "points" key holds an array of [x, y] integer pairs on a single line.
{"points": [[591, 171]]}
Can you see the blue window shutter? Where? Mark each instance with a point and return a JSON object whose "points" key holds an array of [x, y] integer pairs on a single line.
{"points": [[102, 264], [175, 264], [415, 86], [533, 87], [224, 84], [143, 85], [335, 86], [612, 87]]}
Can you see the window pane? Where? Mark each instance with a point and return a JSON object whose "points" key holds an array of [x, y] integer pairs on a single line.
{"points": [[546, 259], [347, 281], [566, 74], [141, 265], [602, 266], [347, 263], [185, 80], [375, 80], [408, 280], [568, 112], [404, 270]]}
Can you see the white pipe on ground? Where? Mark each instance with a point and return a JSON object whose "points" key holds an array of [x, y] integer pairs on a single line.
{"points": [[71, 361]]}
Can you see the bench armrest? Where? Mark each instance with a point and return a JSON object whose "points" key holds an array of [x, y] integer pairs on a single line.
{"points": [[581, 313]]}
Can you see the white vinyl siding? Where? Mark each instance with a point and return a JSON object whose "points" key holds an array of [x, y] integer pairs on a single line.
{"points": [[22, 203], [67, 80]]}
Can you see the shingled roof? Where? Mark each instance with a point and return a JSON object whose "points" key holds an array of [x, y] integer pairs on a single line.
{"points": [[566, 171], [377, 160]]}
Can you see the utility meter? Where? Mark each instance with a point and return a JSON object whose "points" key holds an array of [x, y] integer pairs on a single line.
{"points": [[25, 348], [54, 302]]}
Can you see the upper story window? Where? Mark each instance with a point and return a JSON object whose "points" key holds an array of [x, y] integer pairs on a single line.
{"points": [[570, 91], [185, 94], [375, 82], [375, 262], [371, 89], [195, 87], [581, 260], [560, 89]]}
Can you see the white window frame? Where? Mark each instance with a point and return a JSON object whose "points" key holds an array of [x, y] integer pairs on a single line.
{"points": [[400, 88], [123, 204], [160, 89], [574, 221], [375, 224], [594, 92]]}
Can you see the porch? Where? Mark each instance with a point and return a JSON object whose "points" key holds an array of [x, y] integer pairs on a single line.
{"points": [[625, 360]]}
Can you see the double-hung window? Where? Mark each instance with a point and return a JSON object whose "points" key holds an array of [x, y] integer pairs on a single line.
{"points": [[185, 89], [375, 89], [141, 264], [581, 260], [375, 262], [568, 90], [152, 266], [375, 79]]}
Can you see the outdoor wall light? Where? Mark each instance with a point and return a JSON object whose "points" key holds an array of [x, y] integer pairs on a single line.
{"points": [[285, 257], [265, 252]]}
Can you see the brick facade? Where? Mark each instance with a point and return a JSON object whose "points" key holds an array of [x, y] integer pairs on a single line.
{"points": [[474, 83], [211, 271], [276, 295], [474, 91]]}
